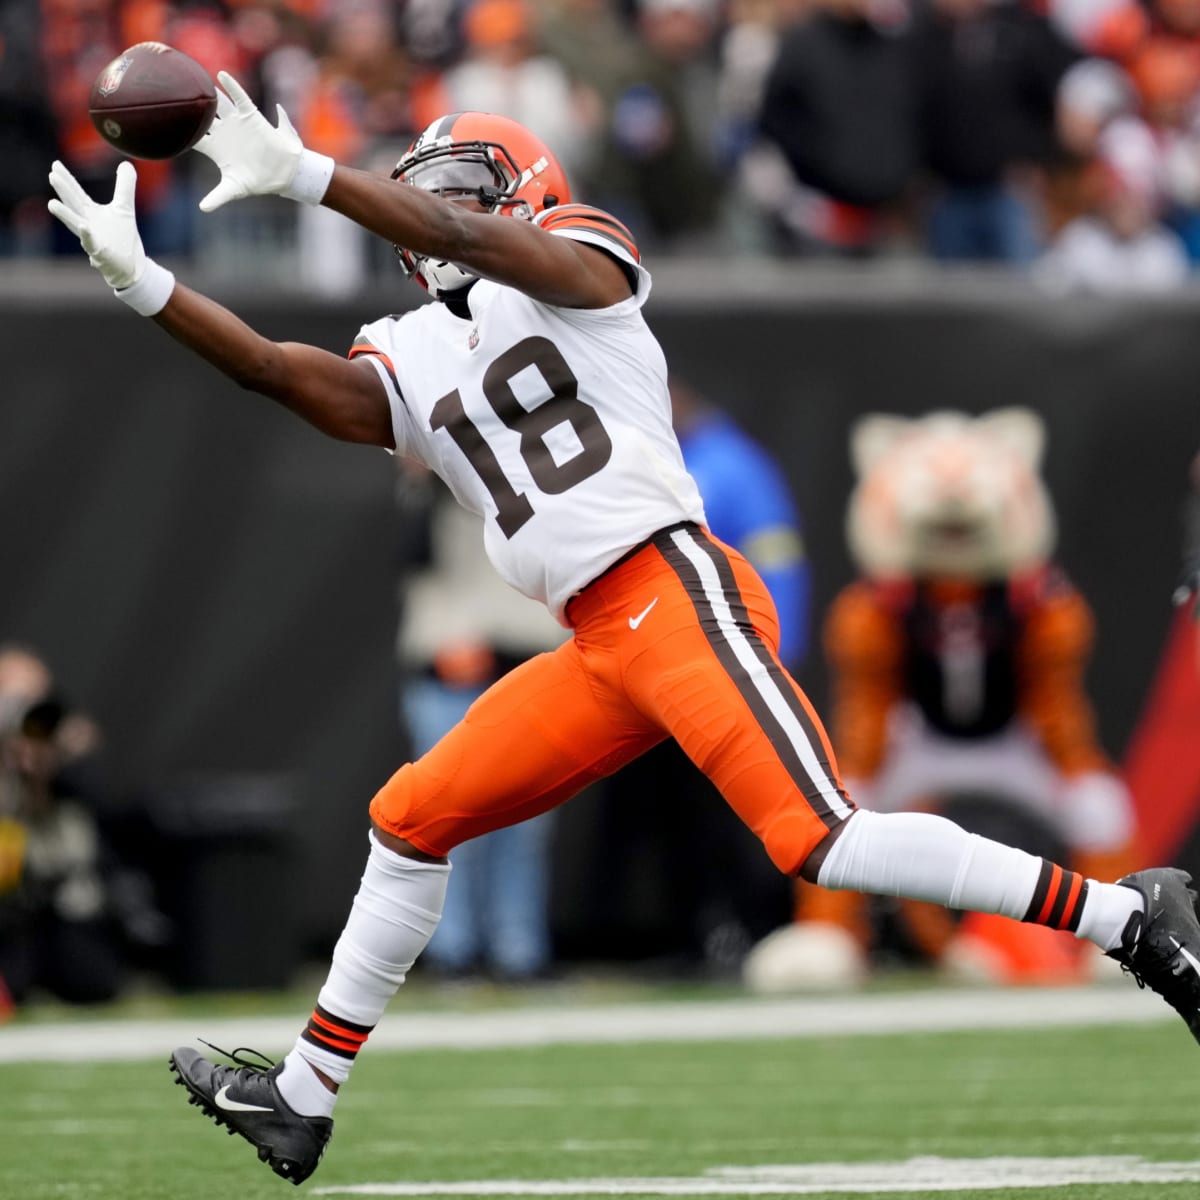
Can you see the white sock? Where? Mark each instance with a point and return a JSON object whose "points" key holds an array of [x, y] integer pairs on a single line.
{"points": [[395, 911], [300, 1087], [1106, 912], [926, 857]]}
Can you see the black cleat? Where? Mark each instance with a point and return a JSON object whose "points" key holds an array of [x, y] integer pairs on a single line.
{"points": [[1160, 948], [246, 1100]]}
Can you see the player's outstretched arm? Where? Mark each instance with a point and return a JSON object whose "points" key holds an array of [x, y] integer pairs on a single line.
{"points": [[341, 398], [551, 269], [257, 158]]}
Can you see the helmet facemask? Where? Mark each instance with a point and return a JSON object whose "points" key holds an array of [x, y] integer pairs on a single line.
{"points": [[480, 171]]}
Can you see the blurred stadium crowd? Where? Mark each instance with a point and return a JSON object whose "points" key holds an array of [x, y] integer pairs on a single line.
{"points": [[1065, 132]]}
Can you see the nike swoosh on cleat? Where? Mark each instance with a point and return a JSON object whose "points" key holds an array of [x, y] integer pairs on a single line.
{"points": [[634, 622], [222, 1100], [1186, 955]]}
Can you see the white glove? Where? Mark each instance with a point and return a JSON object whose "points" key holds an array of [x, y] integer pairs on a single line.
{"points": [[109, 235], [257, 158], [108, 232]]}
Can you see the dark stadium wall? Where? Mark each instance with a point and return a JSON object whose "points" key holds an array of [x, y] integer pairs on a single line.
{"points": [[213, 579], [216, 581]]}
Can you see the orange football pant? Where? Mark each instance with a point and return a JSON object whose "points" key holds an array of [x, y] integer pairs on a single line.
{"points": [[677, 639]]}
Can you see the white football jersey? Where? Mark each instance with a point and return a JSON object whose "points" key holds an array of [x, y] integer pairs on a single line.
{"points": [[553, 424]]}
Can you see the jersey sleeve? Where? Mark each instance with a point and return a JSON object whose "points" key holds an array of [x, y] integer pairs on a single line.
{"points": [[595, 227], [374, 344]]}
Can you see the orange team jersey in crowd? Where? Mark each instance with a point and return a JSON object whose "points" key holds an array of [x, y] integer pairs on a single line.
{"points": [[554, 424]]}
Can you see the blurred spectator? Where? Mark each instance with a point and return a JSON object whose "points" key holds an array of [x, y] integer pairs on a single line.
{"points": [[749, 506], [775, 124], [1157, 48], [662, 123], [57, 930], [1166, 73], [760, 176], [431, 32], [24, 680], [1122, 246], [651, 98], [28, 138], [200, 29], [595, 47], [276, 48], [957, 663], [462, 628], [72, 914], [503, 71], [358, 98], [710, 863], [203, 30], [747, 50], [1106, 28], [357, 109], [79, 38], [989, 73], [1178, 17], [681, 36], [840, 105], [1091, 95]]}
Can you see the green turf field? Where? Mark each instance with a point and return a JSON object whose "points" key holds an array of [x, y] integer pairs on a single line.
{"points": [[613, 1113]]}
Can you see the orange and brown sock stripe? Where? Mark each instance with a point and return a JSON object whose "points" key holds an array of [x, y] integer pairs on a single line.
{"points": [[1058, 898], [334, 1034]]}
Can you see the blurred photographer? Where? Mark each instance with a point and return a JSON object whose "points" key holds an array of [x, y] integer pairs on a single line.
{"points": [[56, 926], [73, 914]]}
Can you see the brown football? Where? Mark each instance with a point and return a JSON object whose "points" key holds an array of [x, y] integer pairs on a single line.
{"points": [[152, 101]]}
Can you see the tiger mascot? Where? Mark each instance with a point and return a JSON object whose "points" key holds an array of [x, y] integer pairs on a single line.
{"points": [[957, 661]]}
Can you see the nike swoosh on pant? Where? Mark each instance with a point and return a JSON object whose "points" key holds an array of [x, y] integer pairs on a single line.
{"points": [[634, 622]]}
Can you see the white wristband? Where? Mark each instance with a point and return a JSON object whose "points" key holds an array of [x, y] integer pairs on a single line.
{"points": [[311, 181], [150, 293]]}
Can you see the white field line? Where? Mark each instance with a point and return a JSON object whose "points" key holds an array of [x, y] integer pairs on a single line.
{"points": [[725, 1020], [922, 1175]]}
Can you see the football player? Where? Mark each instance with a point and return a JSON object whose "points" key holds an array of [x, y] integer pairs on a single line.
{"points": [[535, 389]]}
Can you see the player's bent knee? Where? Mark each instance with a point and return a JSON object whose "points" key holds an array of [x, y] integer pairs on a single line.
{"points": [[810, 868], [404, 848], [392, 817]]}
